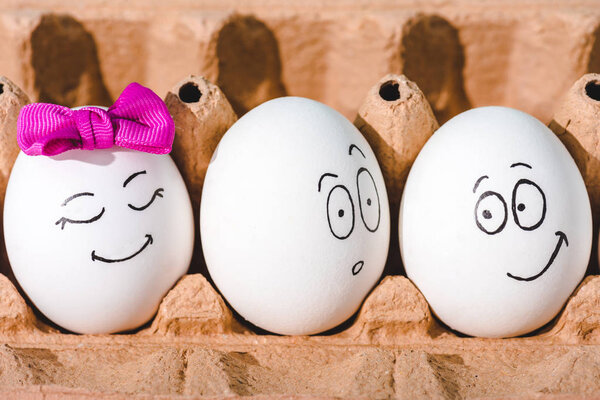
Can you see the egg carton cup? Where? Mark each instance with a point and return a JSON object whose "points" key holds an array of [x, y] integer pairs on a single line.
{"points": [[458, 55]]}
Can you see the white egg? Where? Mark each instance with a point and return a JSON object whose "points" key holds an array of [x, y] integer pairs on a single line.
{"points": [[294, 217], [97, 238], [495, 223]]}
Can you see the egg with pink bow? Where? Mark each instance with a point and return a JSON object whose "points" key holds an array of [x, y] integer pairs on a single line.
{"points": [[97, 238]]}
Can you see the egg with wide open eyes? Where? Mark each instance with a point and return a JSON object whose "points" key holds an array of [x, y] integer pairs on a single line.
{"points": [[97, 238], [294, 217], [495, 223]]}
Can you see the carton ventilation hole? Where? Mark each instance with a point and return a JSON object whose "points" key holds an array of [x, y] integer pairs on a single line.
{"points": [[189, 93], [1, 88], [592, 89], [389, 91]]}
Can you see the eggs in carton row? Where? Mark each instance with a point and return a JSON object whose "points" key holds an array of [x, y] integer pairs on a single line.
{"points": [[196, 335], [275, 248]]}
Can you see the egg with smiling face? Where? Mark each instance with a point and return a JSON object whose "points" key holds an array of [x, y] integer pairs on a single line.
{"points": [[294, 217], [495, 223], [97, 238]]}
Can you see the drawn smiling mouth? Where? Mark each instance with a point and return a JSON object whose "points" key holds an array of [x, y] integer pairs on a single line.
{"points": [[561, 238], [110, 260]]}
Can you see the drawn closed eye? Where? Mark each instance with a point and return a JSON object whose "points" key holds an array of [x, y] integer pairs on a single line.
{"points": [[64, 220], [157, 193]]}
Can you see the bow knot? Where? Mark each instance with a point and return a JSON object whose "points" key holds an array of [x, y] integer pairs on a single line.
{"points": [[138, 120], [95, 128]]}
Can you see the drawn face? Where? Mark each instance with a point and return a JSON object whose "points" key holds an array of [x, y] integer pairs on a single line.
{"points": [[341, 213], [495, 223], [294, 218], [96, 238], [528, 212]]}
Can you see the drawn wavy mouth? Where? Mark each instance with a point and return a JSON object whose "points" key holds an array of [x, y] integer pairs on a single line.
{"points": [[110, 260], [561, 238]]}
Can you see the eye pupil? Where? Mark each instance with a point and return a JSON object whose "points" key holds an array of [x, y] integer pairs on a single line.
{"points": [[487, 214], [341, 213], [521, 207], [368, 202]]}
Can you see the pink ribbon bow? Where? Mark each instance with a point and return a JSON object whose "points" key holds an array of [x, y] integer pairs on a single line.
{"points": [[138, 120]]}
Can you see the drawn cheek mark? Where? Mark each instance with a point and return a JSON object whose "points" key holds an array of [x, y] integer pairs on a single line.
{"points": [[357, 267]]}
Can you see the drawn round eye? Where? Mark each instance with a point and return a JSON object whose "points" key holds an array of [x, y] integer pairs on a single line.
{"points": [[528, 205], [491, 213], [368, 200], [340, 212]]}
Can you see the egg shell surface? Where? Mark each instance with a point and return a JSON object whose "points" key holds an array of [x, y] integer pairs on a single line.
{"points": [[294, 217], [495, 223], [97, 238]]}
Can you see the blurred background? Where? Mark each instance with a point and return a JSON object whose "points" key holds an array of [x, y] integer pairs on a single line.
{"points": [[462, 54]]}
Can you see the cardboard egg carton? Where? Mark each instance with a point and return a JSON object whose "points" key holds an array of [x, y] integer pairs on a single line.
{"points": [[457, 56]]}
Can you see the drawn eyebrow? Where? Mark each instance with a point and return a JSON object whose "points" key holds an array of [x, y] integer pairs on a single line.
{"points": [[68, 199], [521, 164], [478, 182], [326, 174], [353, 146], [132, 176]]}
